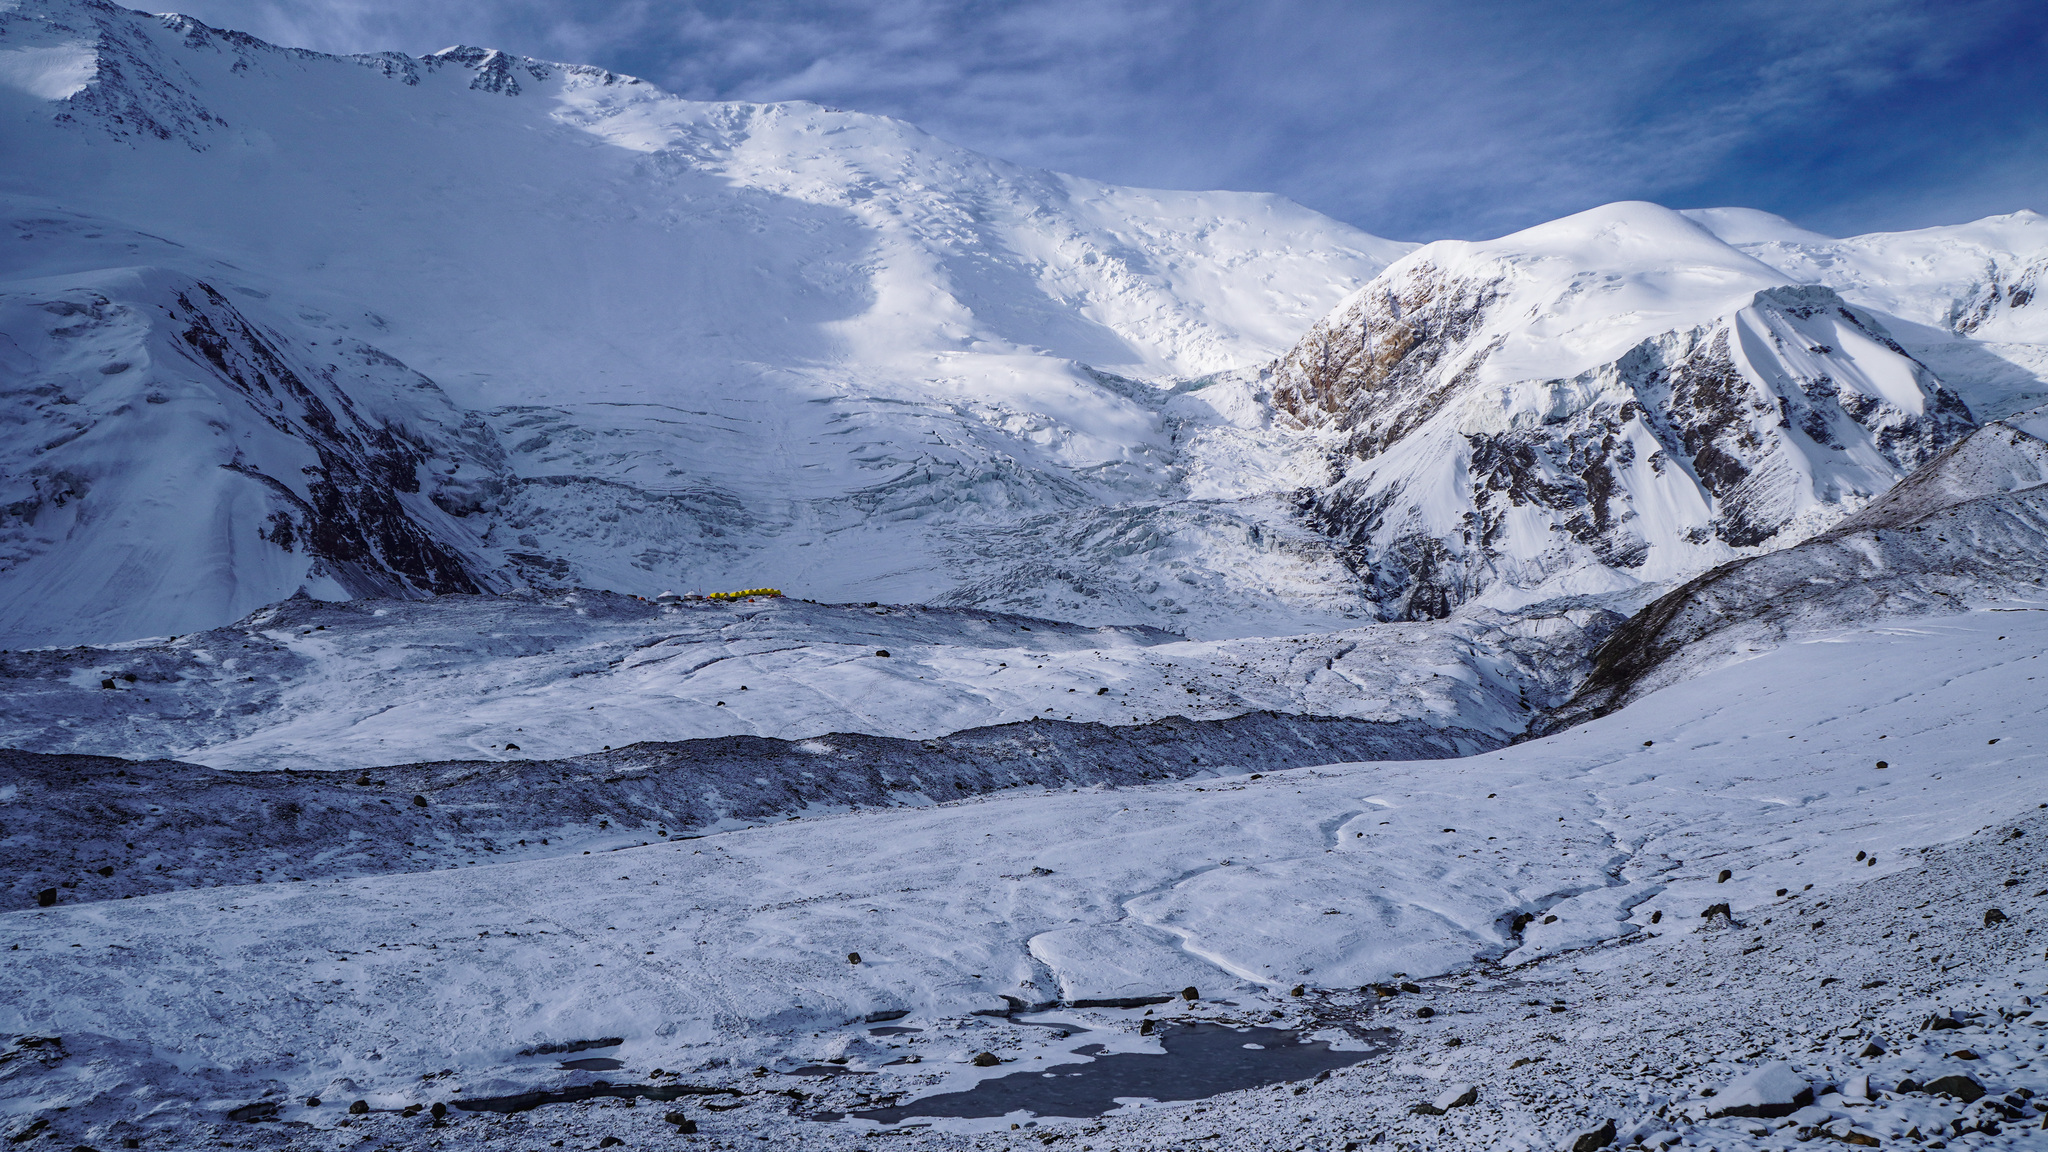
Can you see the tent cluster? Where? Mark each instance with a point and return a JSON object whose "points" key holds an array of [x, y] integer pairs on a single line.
{"points": [[677, 598]]}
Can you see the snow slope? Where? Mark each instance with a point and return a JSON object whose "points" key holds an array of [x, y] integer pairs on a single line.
{"points": [[731, 951], [1612, 398], [1963, 298], [702, 343]]}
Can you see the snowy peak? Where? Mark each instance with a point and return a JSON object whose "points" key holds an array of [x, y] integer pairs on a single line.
{"points": [[1614, 397]]}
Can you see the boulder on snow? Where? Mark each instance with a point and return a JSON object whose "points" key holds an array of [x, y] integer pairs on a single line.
{"points": [[1594, 1139], [1958, 1086], [985, 1060], [1770, 1090], [1456, 1096], [1993, 916]]}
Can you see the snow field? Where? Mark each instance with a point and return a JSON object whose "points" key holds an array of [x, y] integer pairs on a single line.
{"points": [[734, 947], [366, 683]]}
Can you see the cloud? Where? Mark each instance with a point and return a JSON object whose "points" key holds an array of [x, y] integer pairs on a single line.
{"points": [[1415, 119]]}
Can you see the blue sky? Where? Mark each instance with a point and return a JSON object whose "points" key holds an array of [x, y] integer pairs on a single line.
{"points": [[1410, 118]]}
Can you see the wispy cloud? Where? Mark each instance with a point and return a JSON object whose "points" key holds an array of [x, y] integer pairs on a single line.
{"points": [[1453, 117]]}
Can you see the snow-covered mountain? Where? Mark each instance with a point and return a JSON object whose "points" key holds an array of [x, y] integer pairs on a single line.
{"points": [[590, 333], [1964, 299], [1611, 397], [468, 322]]}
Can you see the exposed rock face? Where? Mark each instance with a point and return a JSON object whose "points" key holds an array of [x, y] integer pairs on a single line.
{"points": [[1494, 435], [163, 427], [1966, 528]]}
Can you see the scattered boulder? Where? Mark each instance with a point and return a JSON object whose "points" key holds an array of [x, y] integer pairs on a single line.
{"points": [[1456, 1096], [359, 1108], [1722, 910], [46, 897], [610, 1142], [419, 801], [1189, 993], [881, 651], [1144, 1027], [1298, 990], [1424, 1012], [312, 1101], [439, 1110], [1407, 987], [853, 957], [1724, 877], [1594, 1139], [1956, 1086], [1768, 1091], [985, 1060], [1993, 916]]}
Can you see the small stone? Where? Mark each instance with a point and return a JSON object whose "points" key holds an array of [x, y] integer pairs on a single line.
{"points": [[1594, 1139], [359, 1108], [985, 1060], [1714, 910], [1144, 1027], [515, 747], [419, 801], [46, 897], [610, 1142], [1882, 764], [1871, 1049], [1723, 877], [312, 1101], [1424, 1012], [1297, 990], [853, 957], [1908, 1086], [881, 651], [106, 683], [1189, 993], [1657, 916], [439, 1110], [1407, 987], [686, 1127], [1993, 916]]}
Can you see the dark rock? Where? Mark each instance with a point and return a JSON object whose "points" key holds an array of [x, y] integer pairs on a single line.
{"points": [[46, 897], [1993, 916], [1424, 1012], [1144, 1027], [1522, 919], [419, 801], [853, 957], [610, 1142], [686, 1127], [881, 651], [1714, 910], [439, 1110], [264, 1110], [1298, 990], [1407, 987], [1957, 1086], [1908, 1086], [1657, 916], [1594, 1139], [359, 1108], [515, 747], [1941, 1024], [1189, 993], [985, 1060], [312, 1101], [1723, 877]]}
